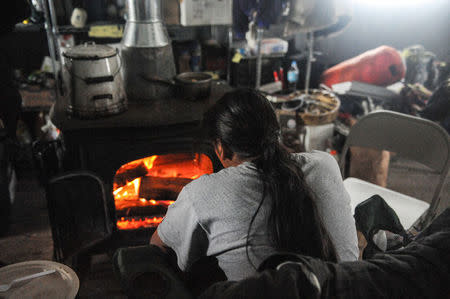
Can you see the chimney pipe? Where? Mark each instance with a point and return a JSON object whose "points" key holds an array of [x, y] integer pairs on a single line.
{"points": [[144, 27]]}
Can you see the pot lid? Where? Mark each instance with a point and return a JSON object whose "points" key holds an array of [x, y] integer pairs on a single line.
{"points": [[90, 51]]}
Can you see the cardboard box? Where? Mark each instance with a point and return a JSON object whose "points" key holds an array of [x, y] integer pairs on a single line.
{"points": [[205, 12], [171, 12]]}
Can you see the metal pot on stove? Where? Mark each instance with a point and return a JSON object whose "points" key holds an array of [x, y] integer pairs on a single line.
{"points": [[189, 85], [97, 88]]}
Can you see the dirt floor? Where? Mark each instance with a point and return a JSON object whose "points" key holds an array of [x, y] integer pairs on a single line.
{"points": [[30, 235]]}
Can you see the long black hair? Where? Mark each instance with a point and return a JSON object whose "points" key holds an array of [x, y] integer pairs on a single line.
{"points": [[245, 123]]}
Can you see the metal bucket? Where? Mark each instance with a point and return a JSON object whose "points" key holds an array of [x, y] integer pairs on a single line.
{"points": [[96, 81]]}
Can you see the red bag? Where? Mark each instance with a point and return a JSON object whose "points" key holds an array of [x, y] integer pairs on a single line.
{"points": [[380, 66]]}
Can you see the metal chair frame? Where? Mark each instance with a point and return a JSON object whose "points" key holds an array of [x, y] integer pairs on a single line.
{"points": [[410, 137], [62, 255]]}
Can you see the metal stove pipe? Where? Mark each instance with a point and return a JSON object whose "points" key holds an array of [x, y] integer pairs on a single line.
{"points": [[144, 27], [146, 52]]}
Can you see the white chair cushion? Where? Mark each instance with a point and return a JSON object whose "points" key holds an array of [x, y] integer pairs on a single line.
{"points": [[408, 208]]}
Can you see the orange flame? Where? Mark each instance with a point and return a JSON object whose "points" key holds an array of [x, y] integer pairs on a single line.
{"points": [[128, 187], [128, 192], [149, 161]]}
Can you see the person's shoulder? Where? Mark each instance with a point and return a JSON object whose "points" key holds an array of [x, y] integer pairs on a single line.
{"points": [[198, 182], [317, 163], [315, 158], [224, 178], [207, 192], [206, 181]]}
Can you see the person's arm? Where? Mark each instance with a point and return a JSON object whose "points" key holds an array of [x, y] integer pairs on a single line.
{"points": [[333, 203], [181, 232], [156, 240]]}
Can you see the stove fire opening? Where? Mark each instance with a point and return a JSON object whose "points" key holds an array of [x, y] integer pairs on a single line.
{"points": [[143, 189]]}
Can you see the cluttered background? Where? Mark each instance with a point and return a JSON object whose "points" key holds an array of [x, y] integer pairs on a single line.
{"points": [[417, 30], [324, 65]]}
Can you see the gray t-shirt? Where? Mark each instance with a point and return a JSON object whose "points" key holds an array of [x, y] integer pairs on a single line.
{"points": [[212, 214]]}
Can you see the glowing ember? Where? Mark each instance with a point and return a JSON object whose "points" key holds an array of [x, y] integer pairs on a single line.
{"points": [[146, 187], [133, 223]]}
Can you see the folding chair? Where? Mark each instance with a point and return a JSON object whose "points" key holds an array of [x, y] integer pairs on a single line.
{"points": [[409, 137], [78, 215]]}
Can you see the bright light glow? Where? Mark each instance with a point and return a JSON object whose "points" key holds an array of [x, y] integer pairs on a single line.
{"points": [[394, 2]]}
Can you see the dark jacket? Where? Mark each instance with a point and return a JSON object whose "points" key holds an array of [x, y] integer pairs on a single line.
{"points": [[419, 270]]}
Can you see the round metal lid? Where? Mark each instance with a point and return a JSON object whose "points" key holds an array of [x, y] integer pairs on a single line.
{"points": [[90, 51]]}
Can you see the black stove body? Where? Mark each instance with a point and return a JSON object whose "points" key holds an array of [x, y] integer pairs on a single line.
{"points": [[99, 148]]}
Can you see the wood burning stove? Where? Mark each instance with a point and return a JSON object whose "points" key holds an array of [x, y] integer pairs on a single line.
{"points": [[142, 170], [143, 157]]}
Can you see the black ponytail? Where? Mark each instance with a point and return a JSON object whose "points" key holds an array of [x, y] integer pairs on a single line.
{"points": [[245, 123], [294, 220]]}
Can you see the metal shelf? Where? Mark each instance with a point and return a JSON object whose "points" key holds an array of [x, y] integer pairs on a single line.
{"points": [[176, 32], [68, 29], [276, 55]]}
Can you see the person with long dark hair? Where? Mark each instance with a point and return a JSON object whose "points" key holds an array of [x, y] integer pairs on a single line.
{"points": [[264, 201]]}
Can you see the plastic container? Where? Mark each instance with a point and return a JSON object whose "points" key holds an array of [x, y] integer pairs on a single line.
{"points": [[274, 46], [270, 46], [292, 76]]}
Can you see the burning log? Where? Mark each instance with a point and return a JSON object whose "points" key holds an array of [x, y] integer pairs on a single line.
{"points": [[130, 174], [162, 188], [137, 211]]}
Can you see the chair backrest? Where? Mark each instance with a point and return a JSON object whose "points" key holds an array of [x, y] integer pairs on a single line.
{"points": [[148, 272], [410, 137], [78, 213]]}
